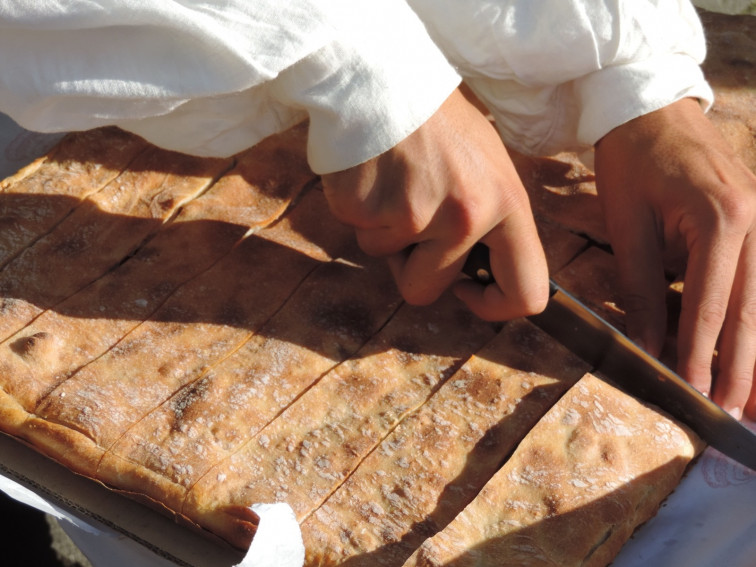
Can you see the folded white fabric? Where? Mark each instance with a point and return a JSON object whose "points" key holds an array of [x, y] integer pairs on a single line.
{"points": [[557, 75], [213, 78]]}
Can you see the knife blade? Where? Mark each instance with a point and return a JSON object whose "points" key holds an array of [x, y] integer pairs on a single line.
{"points": [[630, 367]]}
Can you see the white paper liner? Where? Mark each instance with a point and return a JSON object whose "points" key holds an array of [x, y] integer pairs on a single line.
{"points": [[708, 521], [278, 540], [277, 543]]}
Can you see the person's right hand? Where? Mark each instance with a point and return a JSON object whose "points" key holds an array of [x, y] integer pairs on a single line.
{"points": [[426, 202]]}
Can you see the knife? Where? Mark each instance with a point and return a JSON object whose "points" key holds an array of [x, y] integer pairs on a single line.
{"points": [[635, 371]]}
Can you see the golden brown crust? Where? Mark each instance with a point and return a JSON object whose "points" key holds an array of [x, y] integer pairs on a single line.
{"points": [[66, 445], [208, 384], [596, 466], [40, 195], [440, 456], [209, 418], [12, 414], [315, 444]]}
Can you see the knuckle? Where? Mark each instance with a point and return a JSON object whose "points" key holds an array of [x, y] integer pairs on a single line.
{"points": [[415, 296], [531, 301], [746, 316], [699, 379], [741, 380], [696, 369], [352, 207], [711, 313], [736, 211], [511, 198], [413, 223], [465, 221]]}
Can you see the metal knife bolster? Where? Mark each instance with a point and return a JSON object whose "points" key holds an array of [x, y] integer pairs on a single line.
{"points": [[630, 367]]}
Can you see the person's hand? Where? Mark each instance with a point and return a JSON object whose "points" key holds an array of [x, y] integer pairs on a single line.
{"points": [[672, 189], [428, 200]]}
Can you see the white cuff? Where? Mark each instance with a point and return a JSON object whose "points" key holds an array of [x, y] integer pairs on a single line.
{"points": [[615, 95], [379, 81]]}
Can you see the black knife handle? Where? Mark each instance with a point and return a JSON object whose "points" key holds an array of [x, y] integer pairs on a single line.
{"points": [[478, 267], [478, 264]]}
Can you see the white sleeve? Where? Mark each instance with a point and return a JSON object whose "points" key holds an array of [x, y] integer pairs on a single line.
{"points": [[559, 74], [381, 81], [208, 80]]}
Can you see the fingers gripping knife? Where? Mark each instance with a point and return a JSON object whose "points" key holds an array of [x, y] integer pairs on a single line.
{"points": [[631, 368]]}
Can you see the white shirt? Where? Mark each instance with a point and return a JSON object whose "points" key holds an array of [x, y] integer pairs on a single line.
{"points": [[214, 78]]}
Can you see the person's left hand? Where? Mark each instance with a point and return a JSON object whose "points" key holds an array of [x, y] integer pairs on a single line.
{"points": [[672, 189]]}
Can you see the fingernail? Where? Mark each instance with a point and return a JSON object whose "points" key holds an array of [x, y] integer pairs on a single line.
{"points": [[735, 412]]}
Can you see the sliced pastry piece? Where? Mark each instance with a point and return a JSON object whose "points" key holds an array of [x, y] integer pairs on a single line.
{"points": [[100, 233], [559, 244], [595, 467], [40, 195], [331, 315], [592, 277]]}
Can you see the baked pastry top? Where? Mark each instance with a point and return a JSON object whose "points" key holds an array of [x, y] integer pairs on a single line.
{"points": [[202, 335], [205, 337]]}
